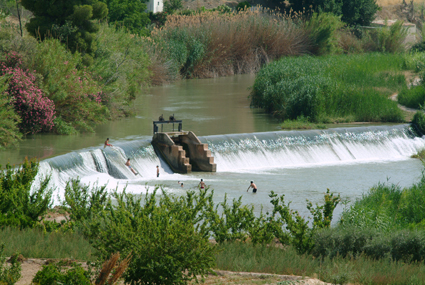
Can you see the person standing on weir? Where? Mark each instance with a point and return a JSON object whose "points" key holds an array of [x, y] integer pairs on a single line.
{"points": [[157, 171]]}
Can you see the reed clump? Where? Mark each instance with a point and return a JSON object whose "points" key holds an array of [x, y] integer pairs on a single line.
{"points": [[209, 44]]}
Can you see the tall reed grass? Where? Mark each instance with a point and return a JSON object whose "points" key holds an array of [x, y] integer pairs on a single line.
{"points": [[210, 44], [362, 270], [34, 243]]}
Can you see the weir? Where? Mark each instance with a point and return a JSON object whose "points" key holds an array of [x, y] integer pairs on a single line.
{"points": [[236, 152], [182, 151]]}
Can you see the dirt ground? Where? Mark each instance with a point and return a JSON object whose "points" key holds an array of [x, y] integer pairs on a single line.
{"points": [[31, 266]]}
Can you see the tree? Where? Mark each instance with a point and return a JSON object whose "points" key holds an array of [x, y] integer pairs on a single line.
{"points": [[129, 13], [359, 12], [172, 5], [72, 21]]}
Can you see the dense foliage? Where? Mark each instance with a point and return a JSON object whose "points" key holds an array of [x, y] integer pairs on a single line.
{"points": [[75, 93], [129, 14], [73, 22], [55, 273], [9, 120], [122, 67], [323, 89], [20, 206]]}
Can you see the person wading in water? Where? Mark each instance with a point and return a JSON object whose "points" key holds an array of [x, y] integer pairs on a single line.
{"points": [[253, 186]]}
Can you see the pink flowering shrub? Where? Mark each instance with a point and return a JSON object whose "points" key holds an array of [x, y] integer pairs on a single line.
{"points": [[37, 112]]}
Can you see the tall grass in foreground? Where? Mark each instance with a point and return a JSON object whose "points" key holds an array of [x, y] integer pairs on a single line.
{"points": [[33, 243], [267, 259], [331, 87]]}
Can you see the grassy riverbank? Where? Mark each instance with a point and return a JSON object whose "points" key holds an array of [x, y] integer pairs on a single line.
{"points": [[332, 88]]}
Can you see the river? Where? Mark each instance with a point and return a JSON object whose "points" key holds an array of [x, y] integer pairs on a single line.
{"points": [[246, 143]]}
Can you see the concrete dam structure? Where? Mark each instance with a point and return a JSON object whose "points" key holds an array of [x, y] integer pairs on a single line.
{"points": [[182, 151]]}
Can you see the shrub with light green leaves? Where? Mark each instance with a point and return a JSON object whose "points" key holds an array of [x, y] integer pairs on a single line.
{"points": [[19, 205], [60, 273]]}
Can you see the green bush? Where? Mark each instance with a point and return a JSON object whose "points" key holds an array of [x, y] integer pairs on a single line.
{"points": [[413, 97], [418, 47], [243, 6], [386, 39], [322, 29], [58, 273], [83, 201], [19, 206], [418, 122], [9, 120], [9, 275]]}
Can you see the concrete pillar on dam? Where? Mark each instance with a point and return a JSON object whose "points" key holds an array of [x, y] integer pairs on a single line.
{"points": [[183, 152]]}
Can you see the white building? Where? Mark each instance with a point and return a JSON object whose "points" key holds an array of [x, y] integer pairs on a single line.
{"points": [[156, 6]]}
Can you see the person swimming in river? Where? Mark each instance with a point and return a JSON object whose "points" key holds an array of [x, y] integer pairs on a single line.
{"points": [[107, 143], [253, 186], [129, 166], [202, 184]]}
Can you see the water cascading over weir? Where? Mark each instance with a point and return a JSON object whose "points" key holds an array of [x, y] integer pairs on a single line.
{"points": [[236, 152], [182, 151]]}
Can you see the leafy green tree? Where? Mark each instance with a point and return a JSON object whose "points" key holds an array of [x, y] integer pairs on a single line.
{"points": [[168, 237], [72, 21], [359, 12], [130, 14]]}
